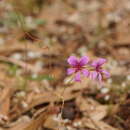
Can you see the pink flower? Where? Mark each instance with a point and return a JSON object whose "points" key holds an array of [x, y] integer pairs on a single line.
{"points": [[98, 71], [78, 67]]}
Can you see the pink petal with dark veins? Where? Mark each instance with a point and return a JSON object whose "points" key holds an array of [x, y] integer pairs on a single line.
{"points": [[85, 72], [77, 77], [72, 60], [83, 60], [98, 62], [70, 71]]}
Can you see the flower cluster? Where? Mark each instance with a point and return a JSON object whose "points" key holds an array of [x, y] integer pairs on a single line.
{"points": [[83, 67]]}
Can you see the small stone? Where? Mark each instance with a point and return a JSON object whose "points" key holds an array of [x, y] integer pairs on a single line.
{"points": [[107, 98], [104, 90], [24, 104], [128, 77], [16, 56]]}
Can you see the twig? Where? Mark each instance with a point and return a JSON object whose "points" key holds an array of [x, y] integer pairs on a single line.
{"points": [[93, 122]]}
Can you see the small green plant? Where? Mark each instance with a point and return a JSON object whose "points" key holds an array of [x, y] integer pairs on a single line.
{"points": [[39, 77]]}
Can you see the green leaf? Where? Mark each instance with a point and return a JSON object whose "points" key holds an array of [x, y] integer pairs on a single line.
{"points": [[40, 21], [40, 77]]}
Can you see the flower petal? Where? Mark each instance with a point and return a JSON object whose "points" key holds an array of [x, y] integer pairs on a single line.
{"points": [[83, 60], [70, 71], [93, 75], [77, 77], [106, 73], [99, 77], [98, 62], [101, 61], [72, 60], [85, 72]]}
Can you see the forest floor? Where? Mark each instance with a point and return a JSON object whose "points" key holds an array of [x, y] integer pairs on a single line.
{"points": [[36, 38]]}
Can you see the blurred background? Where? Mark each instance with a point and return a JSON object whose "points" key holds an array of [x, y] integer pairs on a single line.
{"points": [[36, 38]]}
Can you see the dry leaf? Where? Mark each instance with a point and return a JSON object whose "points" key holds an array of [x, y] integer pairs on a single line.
{"points": [[95, 110], [99, 125], [5, 103]]}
